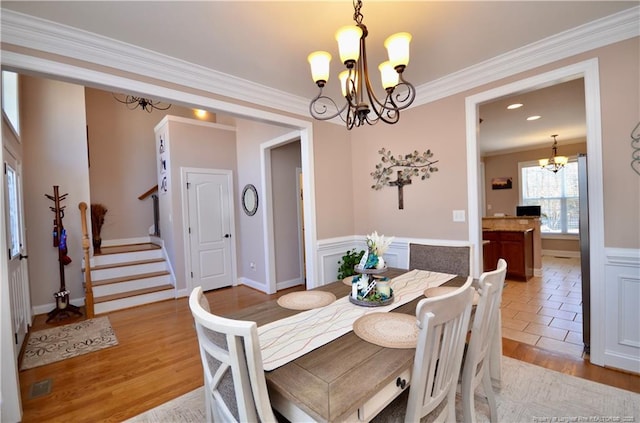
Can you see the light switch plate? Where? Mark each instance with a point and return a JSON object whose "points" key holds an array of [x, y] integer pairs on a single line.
{"points": [[458, 216]]}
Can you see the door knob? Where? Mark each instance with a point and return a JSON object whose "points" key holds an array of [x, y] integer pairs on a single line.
{"points": [[227, 235], [23, 257]]}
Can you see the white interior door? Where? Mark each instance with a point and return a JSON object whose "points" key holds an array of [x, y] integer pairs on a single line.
{"points": [[16, 246], [210, 229]]}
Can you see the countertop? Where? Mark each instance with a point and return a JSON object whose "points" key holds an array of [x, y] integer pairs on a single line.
{"points": [[506, 230]]}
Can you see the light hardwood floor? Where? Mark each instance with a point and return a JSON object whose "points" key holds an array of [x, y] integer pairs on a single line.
{"points": [[157, 359]]}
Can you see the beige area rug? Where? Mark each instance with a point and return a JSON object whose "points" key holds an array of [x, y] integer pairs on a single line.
{"points": [[62, 342], [529, 394], [306, 300]]}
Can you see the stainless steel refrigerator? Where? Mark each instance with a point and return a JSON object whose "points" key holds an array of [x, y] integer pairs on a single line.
{"points": [[584, 250]]}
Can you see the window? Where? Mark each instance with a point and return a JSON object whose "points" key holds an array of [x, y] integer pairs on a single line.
{"points": [[10, 100], [556, 193], [12, 208]]}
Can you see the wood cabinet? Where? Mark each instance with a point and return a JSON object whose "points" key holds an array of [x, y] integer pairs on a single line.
{"points": [[516, 247]]}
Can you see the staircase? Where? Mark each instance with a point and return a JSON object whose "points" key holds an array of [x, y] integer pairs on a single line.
{"points": [[130, 275]]}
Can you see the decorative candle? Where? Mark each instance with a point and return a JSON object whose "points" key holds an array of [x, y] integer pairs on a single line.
{"points": [[383, 288]]}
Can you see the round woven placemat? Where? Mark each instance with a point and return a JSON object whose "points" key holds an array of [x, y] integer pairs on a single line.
{"points": [[348, 280], [306, 300], [443, 290], [390, 330]]}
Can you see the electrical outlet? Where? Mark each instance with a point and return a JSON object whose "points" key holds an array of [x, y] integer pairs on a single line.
{"points": [[458, 216], [252, 265], [489, 207]]}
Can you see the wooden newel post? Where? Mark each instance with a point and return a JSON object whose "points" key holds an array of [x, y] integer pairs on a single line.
{"points": [[88, 290]]}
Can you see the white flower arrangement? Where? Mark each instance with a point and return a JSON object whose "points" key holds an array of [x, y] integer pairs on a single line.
{"points": [[378, 244]]}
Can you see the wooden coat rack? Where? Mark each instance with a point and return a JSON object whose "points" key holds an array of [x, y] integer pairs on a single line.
{"points": [[63, 307]]}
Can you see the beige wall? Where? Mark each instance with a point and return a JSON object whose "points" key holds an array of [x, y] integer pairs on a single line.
{"points": [[251, 238], [285, 160], [620, 88], [428, 204], [332, 151], [199, 145], [123, 161], [55, 153], [551, 244], [506, 200]]}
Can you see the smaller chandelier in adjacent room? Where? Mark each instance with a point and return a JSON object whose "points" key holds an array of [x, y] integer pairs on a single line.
{"points": [[362, 105], [145, 104], [555, 162]]}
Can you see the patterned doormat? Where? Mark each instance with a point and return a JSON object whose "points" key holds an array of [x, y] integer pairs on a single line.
{"points": [[62, 342]]}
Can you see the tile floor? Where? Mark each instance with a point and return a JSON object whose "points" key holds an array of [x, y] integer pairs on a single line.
{"points": [[546, 311]]}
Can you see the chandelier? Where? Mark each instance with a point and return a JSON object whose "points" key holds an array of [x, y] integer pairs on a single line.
{"points": [[555, 162], [362, 105], [145, 104]]}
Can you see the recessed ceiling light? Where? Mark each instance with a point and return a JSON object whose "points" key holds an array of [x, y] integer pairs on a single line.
{"points": [[536, 117], [514, 106]]}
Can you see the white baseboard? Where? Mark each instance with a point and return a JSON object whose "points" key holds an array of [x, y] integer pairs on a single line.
{"points": [[289, 284], [253, 284], [46, 308], [561, 253]]}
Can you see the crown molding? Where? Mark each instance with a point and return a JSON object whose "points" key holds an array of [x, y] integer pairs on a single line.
{"points": [[39, 34], [599, 33]]}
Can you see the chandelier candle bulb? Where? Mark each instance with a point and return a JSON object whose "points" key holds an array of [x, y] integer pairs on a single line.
{"points": [[344, 75], [348, 38], [319, 61], [388, 75], [397, 47]]}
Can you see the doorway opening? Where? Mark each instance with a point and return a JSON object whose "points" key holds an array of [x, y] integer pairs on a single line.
{"points": [[284, 239], [589, 71]]}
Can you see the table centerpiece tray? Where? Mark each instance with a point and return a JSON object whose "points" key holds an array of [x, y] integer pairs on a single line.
{"points": [[372, 302], [366, 271]]}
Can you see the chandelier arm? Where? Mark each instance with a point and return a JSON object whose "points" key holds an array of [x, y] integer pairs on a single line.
{"points": [[317, 109]]}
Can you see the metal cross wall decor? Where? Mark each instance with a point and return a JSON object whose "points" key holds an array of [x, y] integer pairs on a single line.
{"points": [[413, 164], [400, 183]]}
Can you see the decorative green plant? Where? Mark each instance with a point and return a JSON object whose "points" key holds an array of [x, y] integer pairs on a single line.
{"points": [[348, 262]]}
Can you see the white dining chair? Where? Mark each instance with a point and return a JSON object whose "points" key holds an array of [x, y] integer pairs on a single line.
{"points": [[443, 323], [455, 260], [234, 381], [476, 367]]}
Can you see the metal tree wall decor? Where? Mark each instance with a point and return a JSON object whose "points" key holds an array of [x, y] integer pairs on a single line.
{"points": [[406, 167]]}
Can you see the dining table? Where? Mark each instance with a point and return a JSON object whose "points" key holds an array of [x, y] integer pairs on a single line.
{"points": [[346, 379]]}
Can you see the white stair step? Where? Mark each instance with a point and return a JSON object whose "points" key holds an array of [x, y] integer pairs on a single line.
{"points": [[133, 301], [120, 285], [127, 269], [106, 259]]}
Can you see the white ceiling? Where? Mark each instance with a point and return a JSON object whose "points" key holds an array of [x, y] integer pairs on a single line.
{"points": [[267, 42]]}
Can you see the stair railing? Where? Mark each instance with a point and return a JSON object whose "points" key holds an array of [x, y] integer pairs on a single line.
{"points": [[156, 209], [88, 289]]}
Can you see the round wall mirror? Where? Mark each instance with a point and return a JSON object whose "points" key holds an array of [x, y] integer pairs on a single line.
{"points": [[250, 199]]}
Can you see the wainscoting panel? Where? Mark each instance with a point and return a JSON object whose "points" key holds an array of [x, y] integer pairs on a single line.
{"points": [[622, 309], [331, 250]]}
